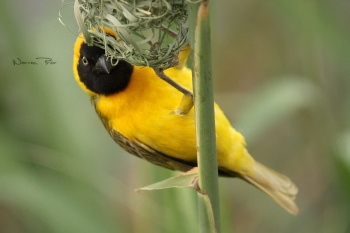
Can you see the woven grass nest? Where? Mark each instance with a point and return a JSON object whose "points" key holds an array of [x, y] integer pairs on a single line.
{"points": [[150, 32]]}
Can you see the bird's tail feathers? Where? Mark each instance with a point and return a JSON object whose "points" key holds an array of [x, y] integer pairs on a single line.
{"points": [[274, 184]]}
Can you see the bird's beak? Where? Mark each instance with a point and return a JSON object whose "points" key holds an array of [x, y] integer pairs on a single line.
{"points": [[103, 65]]}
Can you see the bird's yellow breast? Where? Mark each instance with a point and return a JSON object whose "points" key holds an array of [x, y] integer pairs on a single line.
{"points": [[144, 112]]}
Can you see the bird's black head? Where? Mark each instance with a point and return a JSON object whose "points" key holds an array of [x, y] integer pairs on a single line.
{"points": [[98, 74]]}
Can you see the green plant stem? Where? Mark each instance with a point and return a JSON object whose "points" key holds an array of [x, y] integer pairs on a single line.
{"points": [[205, 121]]}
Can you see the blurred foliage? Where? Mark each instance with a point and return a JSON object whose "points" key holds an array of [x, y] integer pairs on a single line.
{"points": [[282, 77]]}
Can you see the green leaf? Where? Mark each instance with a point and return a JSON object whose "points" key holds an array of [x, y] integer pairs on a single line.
{"points": [[184, 180]]}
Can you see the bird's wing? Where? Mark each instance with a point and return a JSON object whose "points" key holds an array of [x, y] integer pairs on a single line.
{"points": [[145, 152]]}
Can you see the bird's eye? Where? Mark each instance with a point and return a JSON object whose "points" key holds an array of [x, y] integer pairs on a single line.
{"points": [[85, 61]]}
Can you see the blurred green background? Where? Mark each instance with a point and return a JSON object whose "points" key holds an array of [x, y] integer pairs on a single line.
{"points": [[282, 78]]}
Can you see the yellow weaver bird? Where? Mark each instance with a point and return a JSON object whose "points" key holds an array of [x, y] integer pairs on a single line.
{"points": [[138, 110]]}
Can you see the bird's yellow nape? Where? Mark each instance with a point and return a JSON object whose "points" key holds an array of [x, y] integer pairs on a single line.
{"points": [[183, 56]]}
